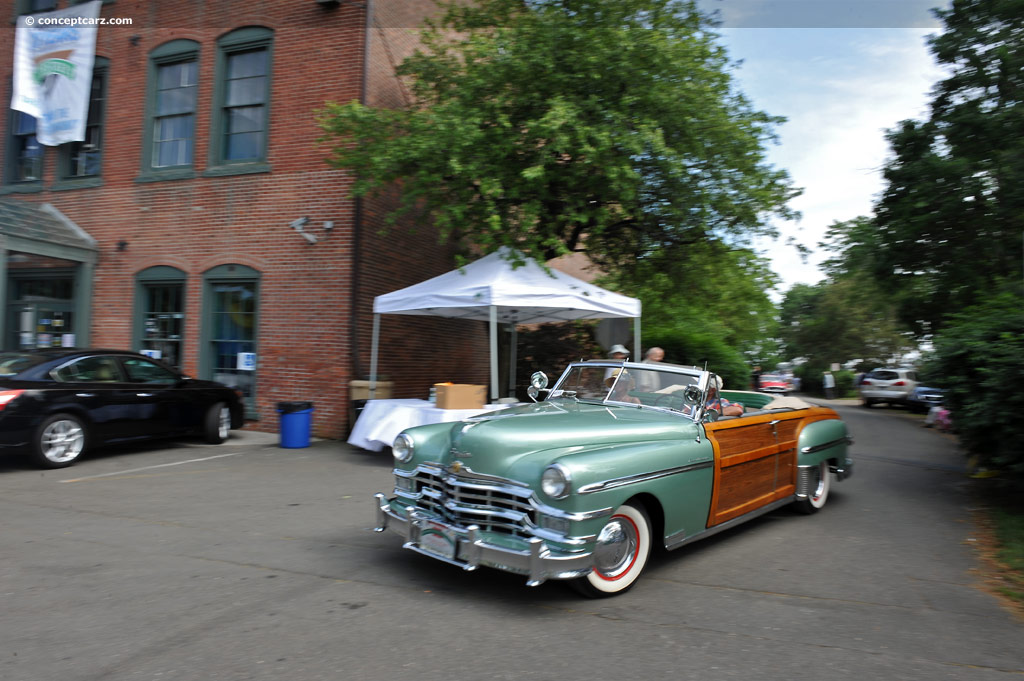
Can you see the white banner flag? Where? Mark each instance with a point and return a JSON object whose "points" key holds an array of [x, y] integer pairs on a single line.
{"points": [[53, 58]]}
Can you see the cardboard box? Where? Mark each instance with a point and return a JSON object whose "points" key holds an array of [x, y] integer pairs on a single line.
{"points": [[360, 390], [460, 395]]}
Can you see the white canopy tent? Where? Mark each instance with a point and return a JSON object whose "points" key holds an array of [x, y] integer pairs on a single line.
{"points": [[490, 289]]}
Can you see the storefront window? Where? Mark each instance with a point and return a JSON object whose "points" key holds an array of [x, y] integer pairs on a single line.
{"points": [[232, 303], [160, 314]]}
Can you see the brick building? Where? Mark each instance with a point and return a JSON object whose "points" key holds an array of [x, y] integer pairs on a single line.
{"points": [[172, 227]]}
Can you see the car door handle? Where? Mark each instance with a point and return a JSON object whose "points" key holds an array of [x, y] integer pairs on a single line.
{"points": [[143, 394], [85, 394]]}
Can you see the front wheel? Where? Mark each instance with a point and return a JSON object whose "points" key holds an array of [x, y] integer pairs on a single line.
{"points": [[817, 490], [622, 550], [58, 441], [218, 423]]}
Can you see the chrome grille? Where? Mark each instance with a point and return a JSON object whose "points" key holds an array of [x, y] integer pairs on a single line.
{"points": [[463, 501]]}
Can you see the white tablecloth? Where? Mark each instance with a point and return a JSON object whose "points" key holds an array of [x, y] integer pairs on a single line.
{"points": [[382, 420]]}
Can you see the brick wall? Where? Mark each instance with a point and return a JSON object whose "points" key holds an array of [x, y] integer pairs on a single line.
{"points": [[306, 343]]}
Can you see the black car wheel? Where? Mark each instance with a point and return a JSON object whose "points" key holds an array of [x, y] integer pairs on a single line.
{"points": [[58, 441], [217, 424]]}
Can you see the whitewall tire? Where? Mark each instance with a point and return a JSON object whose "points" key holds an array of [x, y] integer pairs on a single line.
{"points": [[623, 547]]}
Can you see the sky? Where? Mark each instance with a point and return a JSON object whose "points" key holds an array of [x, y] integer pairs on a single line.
{"points": [[841, 72]]}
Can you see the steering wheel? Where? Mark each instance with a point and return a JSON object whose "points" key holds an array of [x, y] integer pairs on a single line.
{"points": [[668, 397]]}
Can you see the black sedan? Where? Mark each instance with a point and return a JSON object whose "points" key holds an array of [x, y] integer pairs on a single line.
{"points": [[57, 403]]}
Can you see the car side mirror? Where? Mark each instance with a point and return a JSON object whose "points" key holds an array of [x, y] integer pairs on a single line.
{"points": [[691, 395], [710, 415], [538, 382]]}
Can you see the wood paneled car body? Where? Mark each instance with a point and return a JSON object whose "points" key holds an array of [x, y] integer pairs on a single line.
{"points": [[619, 456]]}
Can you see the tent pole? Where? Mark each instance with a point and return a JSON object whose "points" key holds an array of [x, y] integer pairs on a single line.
{"points": [[373, 355], [512, 362], [494, 353], [636, 340]]}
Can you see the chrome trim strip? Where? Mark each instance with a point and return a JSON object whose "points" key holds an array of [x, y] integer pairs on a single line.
{"points": [[642, 477], [670, 545], [434, 468], [538, 562], [847, 440]]}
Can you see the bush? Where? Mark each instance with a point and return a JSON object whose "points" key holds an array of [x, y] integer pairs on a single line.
{"points": [[979, 361]]}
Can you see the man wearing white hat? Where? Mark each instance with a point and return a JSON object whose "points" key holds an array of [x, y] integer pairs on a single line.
{"points": [[618, 351]]}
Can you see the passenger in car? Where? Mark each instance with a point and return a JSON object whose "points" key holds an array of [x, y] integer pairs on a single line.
{"points": [[723, 406]]}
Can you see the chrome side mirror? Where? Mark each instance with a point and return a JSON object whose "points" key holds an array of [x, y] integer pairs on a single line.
{"points": [[538, 382], [692, 395]]}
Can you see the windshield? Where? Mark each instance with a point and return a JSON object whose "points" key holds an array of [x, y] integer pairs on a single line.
{"points": [[13, 363], [619, 385]]}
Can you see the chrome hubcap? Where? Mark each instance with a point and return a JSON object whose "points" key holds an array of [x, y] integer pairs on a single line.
{"points": [[616, 549], [224, 426], [62, 441]]}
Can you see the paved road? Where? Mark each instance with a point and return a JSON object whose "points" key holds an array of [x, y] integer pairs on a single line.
{"points": [[247, 561]]}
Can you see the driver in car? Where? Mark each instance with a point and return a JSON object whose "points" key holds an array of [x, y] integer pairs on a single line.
{"points": [[620, 389]]}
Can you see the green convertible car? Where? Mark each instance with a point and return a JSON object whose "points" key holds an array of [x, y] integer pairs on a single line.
{"points": [[617, 457]]}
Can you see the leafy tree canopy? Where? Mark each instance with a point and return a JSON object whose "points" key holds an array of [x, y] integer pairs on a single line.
{"points": [[951, 219], [712, 307], [609, 126]]}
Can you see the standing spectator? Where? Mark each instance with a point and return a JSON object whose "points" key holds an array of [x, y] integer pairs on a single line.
{"points": [[654, 355], [755, 379], [829, 381], [618, 352], [650, 381]]}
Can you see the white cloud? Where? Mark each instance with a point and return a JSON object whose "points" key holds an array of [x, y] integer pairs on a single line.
{"points": [[840, 90]]}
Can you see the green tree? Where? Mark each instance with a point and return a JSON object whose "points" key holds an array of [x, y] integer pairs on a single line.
{"points": [[951, 219], [711, 306], [608, 126], [839, 321], [979, 360]]}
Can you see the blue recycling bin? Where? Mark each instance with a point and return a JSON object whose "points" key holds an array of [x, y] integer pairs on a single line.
{"points": [[296, 423]]}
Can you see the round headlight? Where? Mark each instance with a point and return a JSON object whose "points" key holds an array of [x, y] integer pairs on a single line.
{"points": [[402, 448], [554, 482]]}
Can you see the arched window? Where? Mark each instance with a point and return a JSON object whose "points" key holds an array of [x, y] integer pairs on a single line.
{"points": [[230, 328], [159, 329]]}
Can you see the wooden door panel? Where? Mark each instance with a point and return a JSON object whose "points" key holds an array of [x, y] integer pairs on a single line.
{"points": [[745, 487], [745, 463]]}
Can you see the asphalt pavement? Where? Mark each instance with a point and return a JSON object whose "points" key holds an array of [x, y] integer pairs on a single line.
{"points": [[248, 561]]}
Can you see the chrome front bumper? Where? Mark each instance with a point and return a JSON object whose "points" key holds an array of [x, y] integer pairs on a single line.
{"points": [[538, 562]]}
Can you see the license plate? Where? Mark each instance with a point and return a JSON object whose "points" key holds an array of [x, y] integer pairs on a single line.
{"points": [[439, 540]]}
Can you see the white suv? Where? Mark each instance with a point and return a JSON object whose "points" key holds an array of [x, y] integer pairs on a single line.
{"points": [[892, 386]]}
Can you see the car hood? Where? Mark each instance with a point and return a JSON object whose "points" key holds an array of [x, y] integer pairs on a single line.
{"points": [[502, 443]]}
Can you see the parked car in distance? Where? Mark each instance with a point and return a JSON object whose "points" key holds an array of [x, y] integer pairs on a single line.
{"points": [[581, 486], [775, 383], [922, 399], [58, 403], [892, 386]]}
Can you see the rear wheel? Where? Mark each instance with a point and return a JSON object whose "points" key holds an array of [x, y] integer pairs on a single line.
{"points": [[58, 441], [622, 550], [817, 490], [218, 423]]}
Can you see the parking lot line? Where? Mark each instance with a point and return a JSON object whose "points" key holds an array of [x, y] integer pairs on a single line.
{"points": [[146, 468]]}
